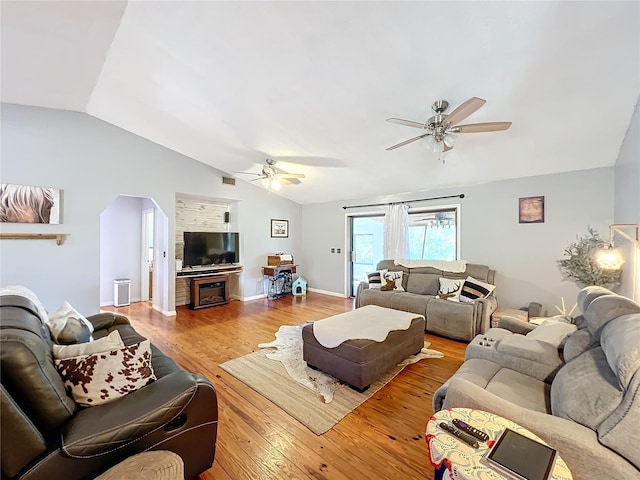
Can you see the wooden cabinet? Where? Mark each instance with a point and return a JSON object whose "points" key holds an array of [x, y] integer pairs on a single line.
{"points": [[209, 291]]}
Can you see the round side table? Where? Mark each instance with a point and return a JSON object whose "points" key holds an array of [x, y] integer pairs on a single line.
{"points": [[455, 460]]}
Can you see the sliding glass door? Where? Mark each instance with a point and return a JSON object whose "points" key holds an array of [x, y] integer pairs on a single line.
{"points": [[365, 246], [433, 235]]}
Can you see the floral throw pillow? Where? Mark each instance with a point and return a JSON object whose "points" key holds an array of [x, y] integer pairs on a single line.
{"points": [[102, 377]]}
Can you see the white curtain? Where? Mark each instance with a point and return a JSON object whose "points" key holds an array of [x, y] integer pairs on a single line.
{"points": [[396, 232]]}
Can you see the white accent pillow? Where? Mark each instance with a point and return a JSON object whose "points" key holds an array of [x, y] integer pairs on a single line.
{"points": [[67, 325], [102, 377], [553, 333], [472, 289], [113, 341], [375, 278], [451, 286], [397, 278]]}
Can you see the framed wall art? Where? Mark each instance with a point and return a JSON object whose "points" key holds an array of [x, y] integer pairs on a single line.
{"points": [[29, 204], [279, 228], [531, 209]]}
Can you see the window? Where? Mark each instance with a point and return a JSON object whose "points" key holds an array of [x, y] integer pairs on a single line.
{"points": [[433, 234]]}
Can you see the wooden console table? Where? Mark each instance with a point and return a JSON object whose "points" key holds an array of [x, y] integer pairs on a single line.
{"points": [[280, 279]]}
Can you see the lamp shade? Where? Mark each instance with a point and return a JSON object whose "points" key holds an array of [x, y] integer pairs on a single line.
{"points": [[431, 143], [609, 259], [449, 140]]}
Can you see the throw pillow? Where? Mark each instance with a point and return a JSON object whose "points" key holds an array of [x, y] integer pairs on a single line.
{"points": [[450, 288], [375, 278], [69, 326], [397, 278], [553, 333], [102, 377], [473, 289], [104, 344], [389, 286]]}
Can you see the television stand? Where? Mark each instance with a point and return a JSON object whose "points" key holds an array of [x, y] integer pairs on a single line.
{"points": [[206, 271], [209, 291]]}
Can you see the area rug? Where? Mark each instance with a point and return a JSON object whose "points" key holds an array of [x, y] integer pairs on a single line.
{"points": [[319, 401]]}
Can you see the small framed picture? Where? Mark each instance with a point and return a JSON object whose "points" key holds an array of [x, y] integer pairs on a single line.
{"points": [[531, 209], [279, 228]]}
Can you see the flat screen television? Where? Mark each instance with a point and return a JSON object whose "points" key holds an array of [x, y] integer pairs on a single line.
{"points": [[211, 248]]}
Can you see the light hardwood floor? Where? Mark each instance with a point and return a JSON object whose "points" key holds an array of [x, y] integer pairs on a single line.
{"points": [[381, 439]]}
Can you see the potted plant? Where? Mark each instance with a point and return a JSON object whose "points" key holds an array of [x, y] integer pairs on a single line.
{"points": [[580, 265]]}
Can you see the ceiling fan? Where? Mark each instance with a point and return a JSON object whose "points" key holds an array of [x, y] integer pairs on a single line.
{"points": [[274, 175], [439, 129]]}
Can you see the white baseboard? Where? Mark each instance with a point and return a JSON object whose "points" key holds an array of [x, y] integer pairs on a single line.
{"points": [[109, 303], [255, 297], [327, 292], [166, 313]]}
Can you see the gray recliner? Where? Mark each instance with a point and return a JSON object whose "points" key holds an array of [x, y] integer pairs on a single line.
{"points": [[589, 408]]}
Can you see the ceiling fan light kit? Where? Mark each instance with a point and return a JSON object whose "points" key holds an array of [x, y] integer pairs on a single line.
{"points": [[274, 177], [441, 126]]}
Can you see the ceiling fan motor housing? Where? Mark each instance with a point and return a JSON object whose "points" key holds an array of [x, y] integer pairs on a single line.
{"points": [[439, 106]]}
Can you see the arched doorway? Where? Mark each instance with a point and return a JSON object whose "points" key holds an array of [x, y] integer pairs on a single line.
{"points": [[132, 228]]}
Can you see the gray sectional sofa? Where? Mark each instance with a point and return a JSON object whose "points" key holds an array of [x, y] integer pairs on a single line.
{"points": [[582, 397], [460, 321]]}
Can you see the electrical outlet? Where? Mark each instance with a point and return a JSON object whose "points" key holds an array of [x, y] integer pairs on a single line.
{"points": [[339, 250], [333, 250]]}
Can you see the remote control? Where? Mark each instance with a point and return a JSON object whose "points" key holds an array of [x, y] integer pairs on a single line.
{"points": [[465, 427], [465, 437]]}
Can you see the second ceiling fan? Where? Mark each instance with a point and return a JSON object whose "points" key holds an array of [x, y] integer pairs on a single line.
{"points": [[275, 175], [439, 129]]}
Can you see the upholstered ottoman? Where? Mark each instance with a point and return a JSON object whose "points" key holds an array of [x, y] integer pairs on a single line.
{"points": [[359, 346]]}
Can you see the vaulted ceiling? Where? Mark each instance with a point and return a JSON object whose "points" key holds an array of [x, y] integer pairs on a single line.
{"points": [[310, 84]]}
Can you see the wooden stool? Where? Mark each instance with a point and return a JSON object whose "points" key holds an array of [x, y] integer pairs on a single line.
{"points": [[155, 465]]}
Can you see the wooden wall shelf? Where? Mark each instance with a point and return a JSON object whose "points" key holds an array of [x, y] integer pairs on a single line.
{"points": [[33, 236]]}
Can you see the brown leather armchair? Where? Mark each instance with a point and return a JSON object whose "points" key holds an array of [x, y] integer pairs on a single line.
{"points": [[45, 434]]}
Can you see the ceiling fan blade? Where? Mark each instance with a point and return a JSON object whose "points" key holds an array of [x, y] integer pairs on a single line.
{"points": [[447, 148], [402, 144], [464, 110], [258, 178], [284, 174], [290, 175], [408, 123], [250, 173], [481, 127]]}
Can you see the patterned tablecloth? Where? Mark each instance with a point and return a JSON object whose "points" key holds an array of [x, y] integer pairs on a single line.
{"points": [[461, 461]]}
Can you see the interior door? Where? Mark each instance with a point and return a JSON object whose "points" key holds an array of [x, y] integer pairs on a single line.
{"points": [[146, 274], [365, 246]]}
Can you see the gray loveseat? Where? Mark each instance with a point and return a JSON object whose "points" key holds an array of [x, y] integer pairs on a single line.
{"points": [[587, 404], [460, 321]]}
